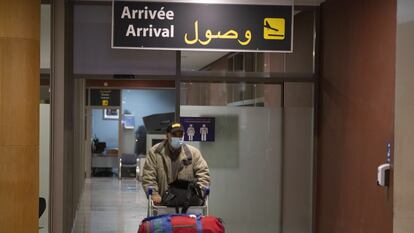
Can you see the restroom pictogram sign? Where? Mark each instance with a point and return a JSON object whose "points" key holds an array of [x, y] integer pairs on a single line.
{"points": [[199, 129]]}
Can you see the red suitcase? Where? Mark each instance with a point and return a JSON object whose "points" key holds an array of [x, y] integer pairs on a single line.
{"points": [[181, 224]]}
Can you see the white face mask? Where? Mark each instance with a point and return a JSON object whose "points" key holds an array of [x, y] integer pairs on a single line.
{"points": [[176, 142]]}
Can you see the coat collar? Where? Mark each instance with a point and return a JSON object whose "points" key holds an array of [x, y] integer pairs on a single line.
{"points": [[166, 159]]}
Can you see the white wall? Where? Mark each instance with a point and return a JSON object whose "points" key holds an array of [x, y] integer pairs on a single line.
{"points": [[45, 37], [44, 162], [404, 115]]}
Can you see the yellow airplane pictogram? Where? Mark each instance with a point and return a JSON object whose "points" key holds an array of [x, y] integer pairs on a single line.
{"points": [[105, 102], [274, 29]]}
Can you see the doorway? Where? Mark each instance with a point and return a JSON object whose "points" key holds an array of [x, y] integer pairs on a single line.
{"points": [[258, 137], [118, 133], [104, 138]]}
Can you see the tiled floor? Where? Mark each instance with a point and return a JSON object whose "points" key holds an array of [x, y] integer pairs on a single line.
{"points": [[109, 205]]}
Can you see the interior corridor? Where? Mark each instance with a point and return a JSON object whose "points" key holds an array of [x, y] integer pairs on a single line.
{"points": [[109, 205]]}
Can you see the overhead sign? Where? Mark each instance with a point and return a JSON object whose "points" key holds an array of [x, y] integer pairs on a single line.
{"points": [[105, 97], [195, 26], [198, 129]]}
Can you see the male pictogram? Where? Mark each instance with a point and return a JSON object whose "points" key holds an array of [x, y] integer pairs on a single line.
{"points": [[203, 132]]}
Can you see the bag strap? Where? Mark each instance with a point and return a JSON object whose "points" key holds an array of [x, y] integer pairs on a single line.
{"points": [[185, 206], [188, 197], [160, 224], [199, 225], [188, 154], [158, 151]]}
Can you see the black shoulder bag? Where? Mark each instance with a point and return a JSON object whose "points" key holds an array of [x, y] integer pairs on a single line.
{"points": [[183, 193]]}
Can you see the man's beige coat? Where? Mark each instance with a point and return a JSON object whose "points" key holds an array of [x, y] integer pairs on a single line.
{"points": [[157, 169]]}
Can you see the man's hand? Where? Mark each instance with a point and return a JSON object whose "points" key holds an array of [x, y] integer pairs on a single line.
{"points": [[156, 198]]}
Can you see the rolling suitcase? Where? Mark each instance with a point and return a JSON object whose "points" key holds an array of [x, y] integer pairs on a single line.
{"points": [[181, 223]]}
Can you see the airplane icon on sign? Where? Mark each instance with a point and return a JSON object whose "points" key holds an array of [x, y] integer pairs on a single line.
{"points": [[274, 29], [267, 25]]}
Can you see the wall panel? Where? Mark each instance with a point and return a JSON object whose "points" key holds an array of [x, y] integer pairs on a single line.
{"points": [[356, 115], [19, 115]]}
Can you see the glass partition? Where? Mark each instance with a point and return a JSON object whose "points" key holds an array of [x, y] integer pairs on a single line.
{"points": [[245, 159]]}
